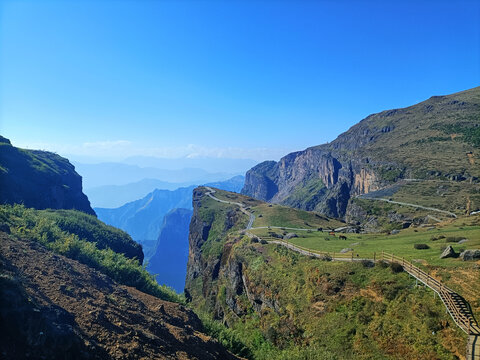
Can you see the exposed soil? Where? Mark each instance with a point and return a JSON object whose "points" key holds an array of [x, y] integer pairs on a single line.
{"points": [[52, 307]]}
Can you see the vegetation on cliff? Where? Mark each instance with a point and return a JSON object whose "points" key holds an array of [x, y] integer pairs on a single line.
{"points": [[82, 237], [39, 179]]}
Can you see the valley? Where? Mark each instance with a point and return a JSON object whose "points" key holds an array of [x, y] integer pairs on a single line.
{"points": [[251, 180]]}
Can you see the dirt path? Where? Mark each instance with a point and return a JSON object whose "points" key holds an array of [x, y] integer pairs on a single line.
{"points": [[408, 204], [243, 209]]}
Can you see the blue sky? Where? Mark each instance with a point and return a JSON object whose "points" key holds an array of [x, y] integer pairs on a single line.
{"points": [[251, 79]]}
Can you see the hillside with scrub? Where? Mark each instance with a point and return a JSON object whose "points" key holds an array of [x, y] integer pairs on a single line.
{"points": [[285, 304]]}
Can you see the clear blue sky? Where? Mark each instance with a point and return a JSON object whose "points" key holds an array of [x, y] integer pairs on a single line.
{"points": [[245, 78]]}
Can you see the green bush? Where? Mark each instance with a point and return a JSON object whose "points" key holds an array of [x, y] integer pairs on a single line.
{"points": [[396, 267], [227, 337], [421, 246], [454, 239], [91, 229]]}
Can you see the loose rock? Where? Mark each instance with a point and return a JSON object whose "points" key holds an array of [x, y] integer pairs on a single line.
{"points": [[470, 255], [448, 252]]}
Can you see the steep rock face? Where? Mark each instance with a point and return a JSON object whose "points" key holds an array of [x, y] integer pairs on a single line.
{"points": [[437, 138], [341, 178], [39, 179], [169, 261], [207, 252], [143, 218], [260, 181], [218, 282]]}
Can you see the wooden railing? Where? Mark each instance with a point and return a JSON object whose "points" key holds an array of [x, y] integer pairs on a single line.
{"points": [[459, 315], [463, 317]]}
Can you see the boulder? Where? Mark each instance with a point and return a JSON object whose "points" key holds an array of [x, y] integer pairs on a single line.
{"points": [[448, 252], [470, 255]]}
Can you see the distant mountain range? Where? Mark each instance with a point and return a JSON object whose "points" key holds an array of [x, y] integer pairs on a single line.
{"points": [[169, 260], [112, 173], [112, 196], [211, 165], [143, 218]]}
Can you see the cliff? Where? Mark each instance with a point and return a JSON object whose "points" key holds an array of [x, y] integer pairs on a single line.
{"points": [[143, 218], [169, 261], [39, 179], [433, 140]]}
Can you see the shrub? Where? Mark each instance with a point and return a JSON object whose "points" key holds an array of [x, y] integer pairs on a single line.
{"points": [[263, 241], [226, 336], [454, 239], [421, 246], [367, 263], [382, 264], [396, 267]]}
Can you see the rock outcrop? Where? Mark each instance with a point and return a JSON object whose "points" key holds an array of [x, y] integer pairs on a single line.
{"points": [[342, 178], [448, 252], [39, 179], [470, 255], [205, 267]]}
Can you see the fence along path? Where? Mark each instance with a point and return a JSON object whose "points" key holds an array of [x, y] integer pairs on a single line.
{"points": [[458, 308]]}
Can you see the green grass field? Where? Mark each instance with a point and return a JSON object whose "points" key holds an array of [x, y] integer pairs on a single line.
{"points": [[401, 244]]}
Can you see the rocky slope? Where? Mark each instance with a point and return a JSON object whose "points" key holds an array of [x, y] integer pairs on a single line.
{"points": [[39, 179], [52, 307], [169, 261], [436, 139]]}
